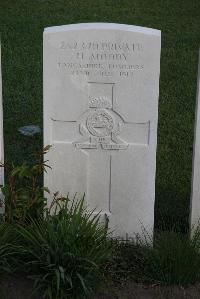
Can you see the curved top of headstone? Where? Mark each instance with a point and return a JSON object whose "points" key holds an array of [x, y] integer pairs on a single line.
{"points": [[114, 26]]}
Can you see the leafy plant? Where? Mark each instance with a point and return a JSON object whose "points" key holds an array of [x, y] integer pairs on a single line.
{"points": [[64, 253], [23, 194], [7, 247]]}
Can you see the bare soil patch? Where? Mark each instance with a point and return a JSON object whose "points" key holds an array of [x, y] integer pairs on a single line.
{"points": [[19, 287]]}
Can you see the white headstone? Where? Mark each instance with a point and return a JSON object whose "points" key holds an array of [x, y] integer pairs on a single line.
{"points": [[195, 194], [1, 136], [101, 88]]}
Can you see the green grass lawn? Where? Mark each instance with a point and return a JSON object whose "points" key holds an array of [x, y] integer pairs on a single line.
{"points": [[21, 26]]}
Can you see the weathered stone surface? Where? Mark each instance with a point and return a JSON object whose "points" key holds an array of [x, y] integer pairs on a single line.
{"points": [[101, 88], [195, 194]]}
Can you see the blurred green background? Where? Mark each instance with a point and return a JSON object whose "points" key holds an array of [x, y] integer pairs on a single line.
{"points": [[21, 26]]}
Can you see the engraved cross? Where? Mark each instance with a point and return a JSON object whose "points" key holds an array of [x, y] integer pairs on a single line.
{"points": [[102, 133]]}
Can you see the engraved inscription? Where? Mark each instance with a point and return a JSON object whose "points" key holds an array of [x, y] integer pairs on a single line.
{"points": [[101, 59], [114, 146], [101, 46], [100, 69], [86, 146]]}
